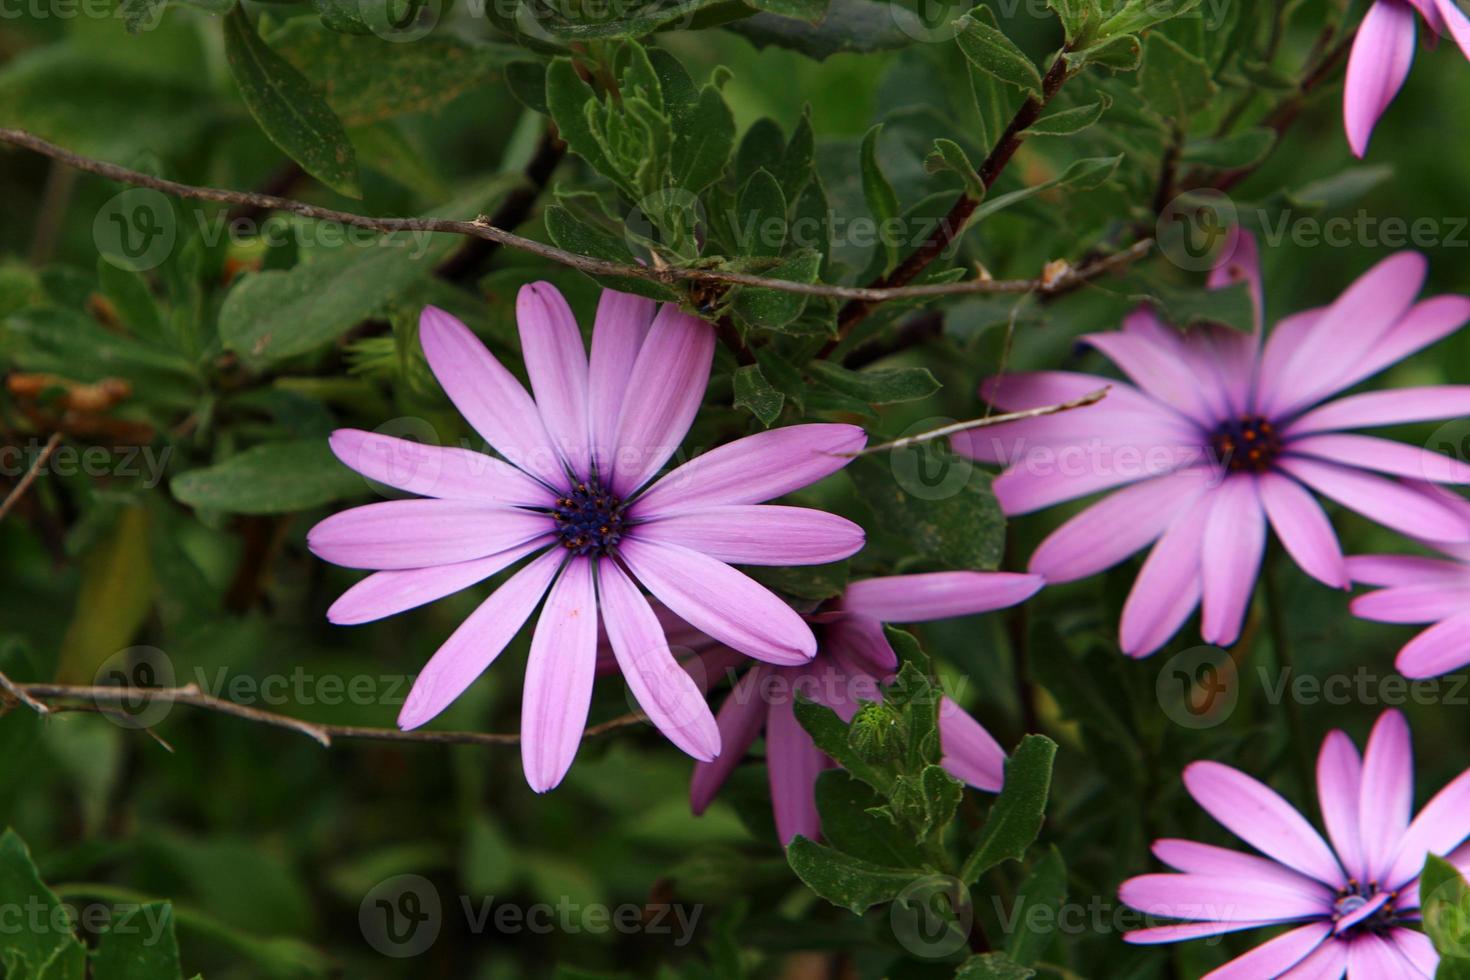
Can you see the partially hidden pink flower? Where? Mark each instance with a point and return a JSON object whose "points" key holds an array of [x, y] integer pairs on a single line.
{"points": [[1351, 905], [853, 661], [572, 494], [1382, 54], [1221, 435], [1422, 590]]}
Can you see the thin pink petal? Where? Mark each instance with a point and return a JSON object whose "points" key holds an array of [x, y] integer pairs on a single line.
{"points": [[1396, 406], [1413, 604], [937, 595], [1329, 961], [1440, 827], [1210, 898], [970, 753], [1117, 526], [740, 720], [1383, 456], [1259, 816], [1387, 793], [448, 472], [1193, 857], [1406, 570], [754, 469], [488, 396], [715, 598], [1049, 477], [1168, 586], [1424, 324], [1303, 529], [478, 641], [1441, 649], [559, 675], [860, 645], [668, 695], [390, 592], [1240, 261], [1234, 540], [1339, 790], [664, 392], [1455, 22], [617, 335], [1155, 370], [1390, 504], [1416, 948], [557, 364], [1181, 932], [1380, 61], [1370, 955], [421, 532], [1273, 958], [794, 762], [759, 534]]}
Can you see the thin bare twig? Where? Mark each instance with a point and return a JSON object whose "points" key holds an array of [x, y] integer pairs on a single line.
{"points": [[1091, 398], [482, 227], [30, 475], [38, 698]]}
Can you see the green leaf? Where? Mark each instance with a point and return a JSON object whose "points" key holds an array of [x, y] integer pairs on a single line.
{"points": [[844, 880], [1139, 15], [992, 966], [1078, 17], [1175, 83], [879, 193], [1446, 903], [1036, 906], [527, 82], [1122, 53], [569, 98], [292, 113], [272, 478], [584, 238], [852, 822], [761, 213], [949, 155], [756, 395], [813, 583], [850, 27], [986, 47], [140, 15], [956, 521], [1068, 122], [368, 78], [830, 733], [1185, 306], [1016, 817], [26, 952], [77, 347], [1238, 150], [131, 298], [774, 309], [140, 945], [811, 11], [882, 387]]}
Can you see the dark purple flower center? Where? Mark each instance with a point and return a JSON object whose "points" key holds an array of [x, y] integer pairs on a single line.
{"points": [[1249, 444], [1363, 908], [589, 519]]}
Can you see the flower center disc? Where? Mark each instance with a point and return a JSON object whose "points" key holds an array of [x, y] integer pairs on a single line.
{"points": [[1249, 444], [589, 519]]}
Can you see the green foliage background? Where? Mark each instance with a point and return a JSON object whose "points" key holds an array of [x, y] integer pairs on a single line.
{"points": [[240, 356]]}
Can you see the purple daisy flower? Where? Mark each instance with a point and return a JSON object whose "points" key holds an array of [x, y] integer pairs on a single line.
{"points": [[572, 494], [1223, 435], [854, 659], [1382, 54], [1422, 590], [1350, 904]]}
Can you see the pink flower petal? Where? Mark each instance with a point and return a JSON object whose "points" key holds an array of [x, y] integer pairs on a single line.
{"points": [[1051, 477], [1259, 816], [1387, 794], [759, 534], [1424, 324], [715, 598], [1273, 958], [860, 645], [1168, 586], [1392, 407], [622, 323], [1303, 528], [1413, 604], [740, 720], [1234, 540], [1193, 857], [1370, 955], [668, 695], [794, 762], [664, 392], [970, 753], [1117, 526], [387, 593], [1441, 649], [1155, 935], [1383, 456], [1380, 61], [447, 472], [478, 641], [1339, 790], [937, 595], [1211, 898], [1416, 948], [1240, 261], [1455, 22], [1390, 504], [420, 533], [754, 469], [1406, 570], [557, 364], [1328, 961], [559, 674], [1440, 827], [488, 396], [1155, 370]]}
